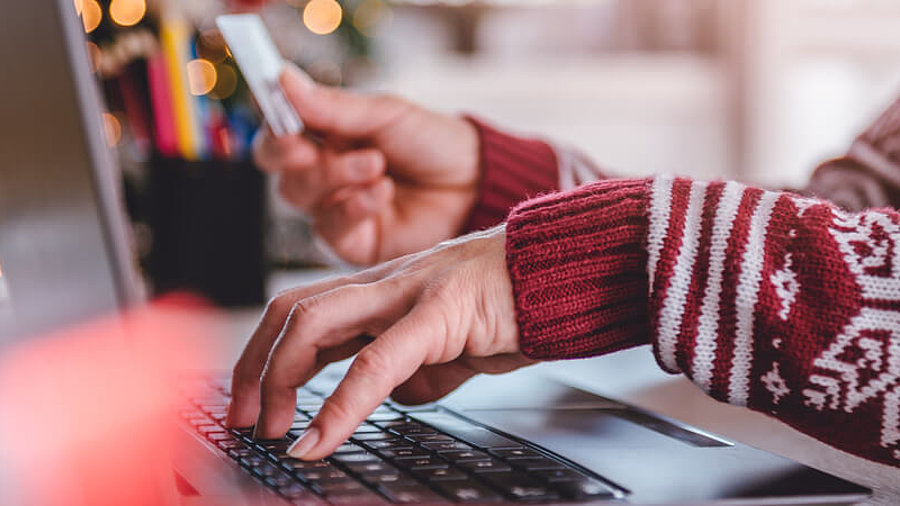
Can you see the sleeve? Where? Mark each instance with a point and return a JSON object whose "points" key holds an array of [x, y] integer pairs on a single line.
{"points": [[868, 175], [514, 169], [781, 303]]}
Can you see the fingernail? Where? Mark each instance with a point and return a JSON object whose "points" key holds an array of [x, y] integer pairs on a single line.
{"points": [[304, 443]]}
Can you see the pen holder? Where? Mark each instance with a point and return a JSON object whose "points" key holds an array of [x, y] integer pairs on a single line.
{"points": [[206, 219]]}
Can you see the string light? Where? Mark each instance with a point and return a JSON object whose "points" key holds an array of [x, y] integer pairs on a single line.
{"points": [[91, 15], [201, 76], [369, 15], [226, 82], [326, 72], [127, 12], [95, 55], [113, 129], [211, 46], [322, 16]]}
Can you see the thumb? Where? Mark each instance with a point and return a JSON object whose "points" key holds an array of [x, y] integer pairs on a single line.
{"points": [[337, 111]]}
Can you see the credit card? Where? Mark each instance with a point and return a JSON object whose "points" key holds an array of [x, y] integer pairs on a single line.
{"points": [[261, 65]]}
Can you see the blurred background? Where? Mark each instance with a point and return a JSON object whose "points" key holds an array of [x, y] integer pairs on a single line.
{"points": [[758, 90]]}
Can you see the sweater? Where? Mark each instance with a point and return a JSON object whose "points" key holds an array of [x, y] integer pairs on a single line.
{"points": [[770, 300], [778, 301]]}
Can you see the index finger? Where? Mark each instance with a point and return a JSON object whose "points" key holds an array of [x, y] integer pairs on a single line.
{"points": [[244, 406], [379, 368], [320, 330]]}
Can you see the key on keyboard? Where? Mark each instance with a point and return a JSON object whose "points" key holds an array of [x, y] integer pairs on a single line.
{"points": [[397, 457]]}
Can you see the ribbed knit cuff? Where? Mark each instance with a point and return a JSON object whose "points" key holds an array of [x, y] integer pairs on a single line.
{"points": [[577, 261], [513, 169]]}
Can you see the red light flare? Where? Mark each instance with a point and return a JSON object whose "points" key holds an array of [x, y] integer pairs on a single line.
{"points": [[91, 409]]}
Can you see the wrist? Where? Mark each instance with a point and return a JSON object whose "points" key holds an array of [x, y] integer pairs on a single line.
{"points": [[469, 150], [470, 168], [577, 263]]}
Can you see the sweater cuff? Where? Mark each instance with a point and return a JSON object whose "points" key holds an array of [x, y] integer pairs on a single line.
{"points": [[577, 262], [513, 169]]}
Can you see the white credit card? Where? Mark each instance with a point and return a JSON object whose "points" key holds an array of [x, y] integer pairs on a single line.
{"points": [[261, 64]]}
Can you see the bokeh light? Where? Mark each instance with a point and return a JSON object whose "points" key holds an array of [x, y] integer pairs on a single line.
{"points": [[201, 76], [91, 15], [127, 12], [322, 16], [326, 72], [369, 15], [95, 55], [74, 401], [226, 82], [360, 69], [211, 46], [79, 5], [113, 128]]}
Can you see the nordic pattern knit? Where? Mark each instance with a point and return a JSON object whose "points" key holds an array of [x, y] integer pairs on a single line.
{"points": [[775, 301]]}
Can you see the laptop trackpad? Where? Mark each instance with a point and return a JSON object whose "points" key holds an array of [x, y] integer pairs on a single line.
{"points": [[631, 454], [570, 429], [658, 460]]}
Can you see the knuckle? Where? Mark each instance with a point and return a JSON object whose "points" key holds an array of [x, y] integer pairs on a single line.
{"points": [[391, 284], [337, 408], [442, 290], [304, 309], [351, 291], [278, 308], [303, 314], [372, 363]]}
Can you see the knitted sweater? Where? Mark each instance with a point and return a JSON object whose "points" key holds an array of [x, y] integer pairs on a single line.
{"points": [[776, 301]]}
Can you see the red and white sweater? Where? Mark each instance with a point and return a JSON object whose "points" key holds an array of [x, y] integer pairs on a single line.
{"points": [[776, 301]]}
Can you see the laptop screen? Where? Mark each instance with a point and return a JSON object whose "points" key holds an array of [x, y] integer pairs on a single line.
{"points": [[63, 252]]}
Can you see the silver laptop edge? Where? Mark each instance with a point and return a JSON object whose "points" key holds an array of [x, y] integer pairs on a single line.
{"points": [[108, 187], [58, 186]]}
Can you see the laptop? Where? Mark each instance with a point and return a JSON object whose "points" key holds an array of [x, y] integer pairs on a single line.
{"points": [[517, 438]]}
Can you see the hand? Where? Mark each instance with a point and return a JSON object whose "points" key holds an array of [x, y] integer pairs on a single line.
{"points": [[385, 178], [439, 318]]}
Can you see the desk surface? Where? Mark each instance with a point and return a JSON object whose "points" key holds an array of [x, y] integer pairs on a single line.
{"points": [[633, 376]]}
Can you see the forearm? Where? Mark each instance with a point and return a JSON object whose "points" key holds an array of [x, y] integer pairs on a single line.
{"points": [[765, 299]]}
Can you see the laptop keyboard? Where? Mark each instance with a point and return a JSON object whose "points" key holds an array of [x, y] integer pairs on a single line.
{"points": [[397, 456]]}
